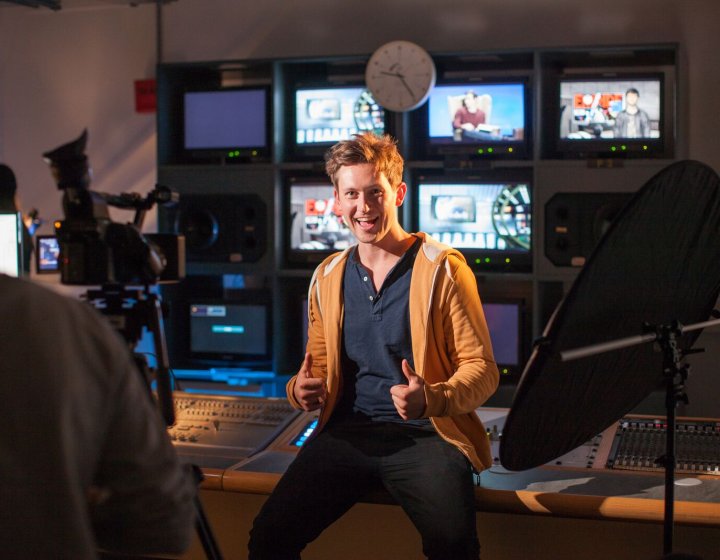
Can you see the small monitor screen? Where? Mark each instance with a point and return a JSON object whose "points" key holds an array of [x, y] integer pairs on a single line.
{"points": [[328, 115], [503, 320], [225, 330], [47, 253], [314, 227], [477, 113], [607, 109], [226, 119], [477, 216], [10, 244]]}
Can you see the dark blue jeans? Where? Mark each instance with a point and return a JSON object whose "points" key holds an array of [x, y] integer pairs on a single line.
{"points": [[430, 479]]}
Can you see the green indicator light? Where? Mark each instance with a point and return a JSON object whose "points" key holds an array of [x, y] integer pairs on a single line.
{"points": [[510, 150], [613, 149], [490, 150], [237, 153], [487, 259], [505, 371], [507, 259], [477, 261], [254, 152], [645, 147], [623, 147], [481, 151], [230, 154]]}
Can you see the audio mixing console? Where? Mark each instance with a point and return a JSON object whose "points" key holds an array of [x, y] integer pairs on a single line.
{"points": [[632, 443], [218, 431]]}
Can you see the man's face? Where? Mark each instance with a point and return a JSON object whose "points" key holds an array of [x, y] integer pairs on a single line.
{"points": [[367, 201], [631, 98], [471, 102]]}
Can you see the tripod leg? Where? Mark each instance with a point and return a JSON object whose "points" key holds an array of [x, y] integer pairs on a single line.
{"points": [[202, 526], [207, 539]]}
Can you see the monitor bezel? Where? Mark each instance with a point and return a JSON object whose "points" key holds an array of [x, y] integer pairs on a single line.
{"points": [[610, 148], [510, 373], [483, 260], [293, 257], [230, 154], [315, 151], [229, 359], [426, 148], [39, 268]]}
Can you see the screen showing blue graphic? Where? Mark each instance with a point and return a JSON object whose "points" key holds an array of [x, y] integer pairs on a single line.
{"points": [[230, 328]]}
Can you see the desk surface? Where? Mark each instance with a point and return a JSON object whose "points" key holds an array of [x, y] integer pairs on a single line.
{"points": [[578, 485]]}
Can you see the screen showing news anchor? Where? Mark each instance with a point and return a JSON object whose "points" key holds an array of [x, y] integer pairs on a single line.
{"points": [[608, 109], [477, 113]]}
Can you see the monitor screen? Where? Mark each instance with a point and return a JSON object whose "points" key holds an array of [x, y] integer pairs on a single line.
{"points": [[10, 244], [314, 229], [610, 109], [503, 320], [489, 222], [480, 119], [611, 116], [507, 322], [224, 331], [324, 116], [47, 254], [231, 123]]}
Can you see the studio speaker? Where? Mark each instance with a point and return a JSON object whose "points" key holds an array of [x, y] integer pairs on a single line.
{"points": [[575, 222], [221, 228]]}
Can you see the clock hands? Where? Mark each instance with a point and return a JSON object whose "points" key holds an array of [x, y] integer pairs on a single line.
{"points": [[401, 77]]}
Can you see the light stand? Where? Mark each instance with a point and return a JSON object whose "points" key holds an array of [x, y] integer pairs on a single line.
{"points": [[658, 263], [675, 373]]}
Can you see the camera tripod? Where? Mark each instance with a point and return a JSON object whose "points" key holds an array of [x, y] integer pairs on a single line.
{"points": [[129, 311]]}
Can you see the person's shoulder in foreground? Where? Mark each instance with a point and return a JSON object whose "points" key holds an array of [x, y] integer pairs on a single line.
{"points": [[86, 463]]}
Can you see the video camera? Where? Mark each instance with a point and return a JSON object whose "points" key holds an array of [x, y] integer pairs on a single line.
{"points": [[96, 250]]}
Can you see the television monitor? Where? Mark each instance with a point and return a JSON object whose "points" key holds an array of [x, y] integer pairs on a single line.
{"points": [[11, 249], [313, 229], [229, 333], [326, 115], [507, 325], [47, 254], [487, 218], [479, 120], [611, 116], [230, 124]]}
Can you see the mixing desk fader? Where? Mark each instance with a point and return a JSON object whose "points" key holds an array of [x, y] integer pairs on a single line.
{"points": [[217, 431]]}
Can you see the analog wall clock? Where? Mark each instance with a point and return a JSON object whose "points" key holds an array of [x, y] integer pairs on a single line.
{"points": [[400, 75]]}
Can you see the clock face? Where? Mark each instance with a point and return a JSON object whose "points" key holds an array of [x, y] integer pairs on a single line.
{"points": [[400, 75]]}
